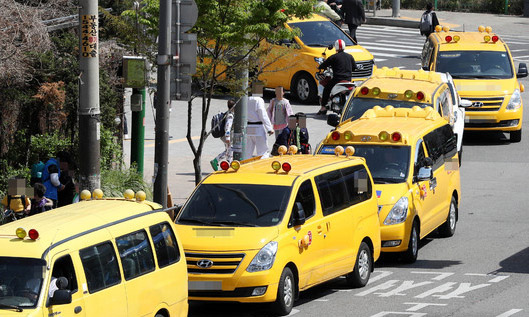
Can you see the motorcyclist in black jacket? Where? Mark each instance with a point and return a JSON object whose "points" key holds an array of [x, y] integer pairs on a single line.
{"points": [[342, 64]]}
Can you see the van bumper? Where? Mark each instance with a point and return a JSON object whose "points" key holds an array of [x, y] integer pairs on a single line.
{"points": [[395, 237], [502, 120]]}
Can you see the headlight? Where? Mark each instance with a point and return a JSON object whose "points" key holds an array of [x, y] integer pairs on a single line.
{"points": [[264, 259], [318, 60], [398, 213], [336, 99], [516, 101]]}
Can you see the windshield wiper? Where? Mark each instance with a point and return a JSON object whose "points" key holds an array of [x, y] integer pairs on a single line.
{"points": [[202, 222], [236, 223], [317, 45], [18, 309], [386, 180]]}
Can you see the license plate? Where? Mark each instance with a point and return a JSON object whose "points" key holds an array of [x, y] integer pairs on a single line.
{"points": [[205, 285]]}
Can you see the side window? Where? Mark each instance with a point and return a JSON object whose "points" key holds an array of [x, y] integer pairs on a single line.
{"points": [[446, 105], [419, 156], [435, 147], [100, 266], [63, 267], [332, 191], [135, 253], [306, 197], [450, 141], [358, 183], [165, 244]]}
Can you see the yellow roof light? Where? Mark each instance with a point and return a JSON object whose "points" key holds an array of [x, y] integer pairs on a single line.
{"points": [[383, 136], [438, 28], [282, 150], [349, 151], [456, 38], [141, 196], [488, 29], [408, 94], [85, 194], [128, 194], [276, 165], [235, 165], [348, 135], [338, 150], [446, 28], [292, 149], [376, 91], [97, 194], [481, 28], [486, 38], [21, 233]]}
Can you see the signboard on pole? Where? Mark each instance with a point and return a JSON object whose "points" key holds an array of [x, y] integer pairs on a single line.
{"points": [[134, 72]]}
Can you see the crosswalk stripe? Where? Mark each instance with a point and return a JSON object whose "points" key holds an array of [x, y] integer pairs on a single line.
{"points": [[375, 48], [396, 45], [520, 50], [419, 43]]}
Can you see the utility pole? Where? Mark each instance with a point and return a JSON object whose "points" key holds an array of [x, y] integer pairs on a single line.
{"points": [[395, 8], [89, 113], [240, 116], [163, 60]]}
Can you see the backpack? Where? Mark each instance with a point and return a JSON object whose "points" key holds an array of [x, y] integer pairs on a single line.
{"points": [[22, 197], [218, 125], [36, 173], [426, 23]]}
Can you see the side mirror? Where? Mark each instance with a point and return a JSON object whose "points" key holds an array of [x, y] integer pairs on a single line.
{"points": [[333, 119], [522, 70], [426, 162], [298, 215], [425, 173], [61, 297], [285, 42], [330, 47], [425, 68], [465, 103]]}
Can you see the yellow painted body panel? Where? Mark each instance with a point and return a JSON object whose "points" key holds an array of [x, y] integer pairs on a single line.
{"points": [[68, 229], [494, 93], [413, 124], [332, 251]]}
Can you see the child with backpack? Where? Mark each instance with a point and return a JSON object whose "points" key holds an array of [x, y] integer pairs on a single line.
{"points": [[279, 110], [428, 21], [295, 133], [16, 204], [221, 124]]}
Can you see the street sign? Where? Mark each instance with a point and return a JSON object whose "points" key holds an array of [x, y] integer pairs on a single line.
{"points": [[134, 72], [188, 14]]}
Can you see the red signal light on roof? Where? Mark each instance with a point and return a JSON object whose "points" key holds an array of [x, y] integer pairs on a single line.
{"points": [[364, 90], [495, 38], [224, 165], [286, 167], [420, 95], [33, 234], [335, 135], [448, 39], [395, 136]]}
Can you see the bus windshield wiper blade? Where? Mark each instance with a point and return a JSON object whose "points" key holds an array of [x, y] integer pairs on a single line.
{"points": [[240, 223], [18, 309], [194, 221]]}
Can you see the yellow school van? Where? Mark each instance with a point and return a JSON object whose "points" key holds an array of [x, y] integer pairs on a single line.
{"points": [[100, 257], [412, 156], [483, 71], [265, 230]]}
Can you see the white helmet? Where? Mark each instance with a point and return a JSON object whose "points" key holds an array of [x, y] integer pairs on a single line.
{"points": [[339, 45]]}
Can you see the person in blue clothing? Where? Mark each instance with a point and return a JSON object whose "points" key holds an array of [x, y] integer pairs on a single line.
{"points": [[50, 179]]}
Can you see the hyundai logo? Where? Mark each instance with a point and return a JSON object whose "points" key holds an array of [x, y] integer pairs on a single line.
{"points": [[204, 264], [366, 138], [359, 66], [477, 104]]}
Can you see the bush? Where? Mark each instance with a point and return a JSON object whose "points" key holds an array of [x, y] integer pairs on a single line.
{"points": [[115, 182]]}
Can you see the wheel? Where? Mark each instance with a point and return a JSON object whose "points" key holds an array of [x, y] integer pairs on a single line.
{"points": [[304, 88], [410, 255], [516, 136], [363, 267], [285, 293], [460, 155], [448, 228]]}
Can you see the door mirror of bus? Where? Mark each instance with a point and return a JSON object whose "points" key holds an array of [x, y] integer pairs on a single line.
{"points": [[61, 297], [465, 103], [333, 119], [522, 70], [426, 162], [298, 215], [425, 68], [425, 173]]}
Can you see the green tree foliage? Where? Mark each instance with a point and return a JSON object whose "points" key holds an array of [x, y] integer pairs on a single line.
{"points": [[115, 181]]}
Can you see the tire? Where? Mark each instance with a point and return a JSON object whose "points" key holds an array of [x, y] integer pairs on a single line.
{"points": [[363, 268], [304, 88], [448, 228], [285, 293], [516, 136], [410, 255], [460, 155]]}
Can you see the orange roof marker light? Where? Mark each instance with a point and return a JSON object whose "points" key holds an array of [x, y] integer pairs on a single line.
{"points": [[97, 194], [85, 194], [128, 194], [446, 28], [438, 28], [349, 151], [338, 150], [481, 28], [140, 196], [282, 150]]}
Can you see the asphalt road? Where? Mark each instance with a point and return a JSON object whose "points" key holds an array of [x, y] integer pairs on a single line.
{"points": [[483, 270]]}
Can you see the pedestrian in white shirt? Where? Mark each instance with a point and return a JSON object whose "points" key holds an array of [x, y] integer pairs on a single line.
{"points": [[258, 127]]}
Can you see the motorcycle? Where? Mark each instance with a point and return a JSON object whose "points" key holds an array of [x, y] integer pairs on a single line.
{"points": [[339, 92]]}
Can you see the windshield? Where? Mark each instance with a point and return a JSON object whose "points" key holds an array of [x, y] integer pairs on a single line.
{"points": [[388, 164], [236, 205], [475, 64], [20, 282], [357, 106], [321, 33]]}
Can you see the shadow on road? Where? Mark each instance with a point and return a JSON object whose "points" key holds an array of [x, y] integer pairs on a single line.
{"points": [[516, 263], [479, 138]]}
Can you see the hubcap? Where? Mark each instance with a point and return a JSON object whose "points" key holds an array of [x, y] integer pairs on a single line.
{"points": [[452, 218], [363, 264], [303, 89], [288, 291]]}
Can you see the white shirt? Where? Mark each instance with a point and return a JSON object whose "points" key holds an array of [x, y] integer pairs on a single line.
{"points": [[257, 113]]}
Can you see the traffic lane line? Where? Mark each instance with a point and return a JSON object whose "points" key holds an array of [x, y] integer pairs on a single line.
{"points": [[151, 144]]}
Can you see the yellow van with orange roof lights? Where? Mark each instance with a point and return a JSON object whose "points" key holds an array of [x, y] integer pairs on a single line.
{"points": [[483, 70], [267, 229], [98, 257], [412, 156]]}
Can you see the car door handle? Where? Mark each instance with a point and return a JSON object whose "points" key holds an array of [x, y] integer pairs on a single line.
{"points": [[320, 229], [433, 183], [77, 309]]}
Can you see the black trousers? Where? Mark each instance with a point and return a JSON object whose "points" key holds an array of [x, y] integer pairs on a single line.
{"points": [[327, 91], [352, 31]]}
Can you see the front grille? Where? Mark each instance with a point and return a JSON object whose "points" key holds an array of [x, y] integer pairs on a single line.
{"points": [[223, 263], [486, 124], [238, 292], [486, 104], [365, 71]]}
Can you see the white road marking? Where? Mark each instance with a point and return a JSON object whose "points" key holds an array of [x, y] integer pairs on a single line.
{"points": [[520, 50], [293, 312], [389, 313], [418, 306], [396, 45], [380, 275], [439, 276], [496, 279], [321, 300], [418, 43], [510, 313], [375, 48]]}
